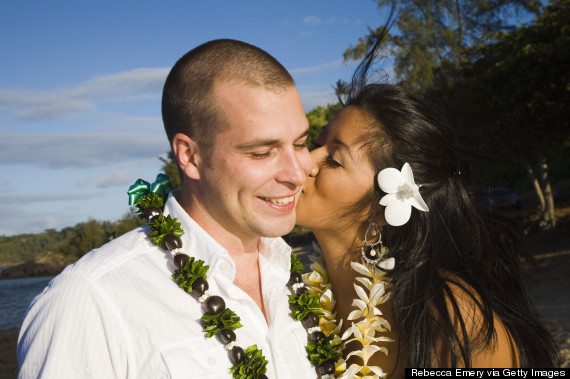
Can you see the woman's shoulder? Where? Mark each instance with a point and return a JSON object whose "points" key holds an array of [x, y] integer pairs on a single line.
{"points": [[465, 307]]}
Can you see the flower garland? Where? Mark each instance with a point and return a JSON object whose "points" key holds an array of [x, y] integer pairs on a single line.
{"points": [[373, 288], [191, 276], [367, 321]]}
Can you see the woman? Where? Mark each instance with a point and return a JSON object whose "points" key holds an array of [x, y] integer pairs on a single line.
{"points": [[456, 292]]}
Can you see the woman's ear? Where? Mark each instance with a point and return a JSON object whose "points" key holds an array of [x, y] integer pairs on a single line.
{"points": [[187, 154], [377, 216]]}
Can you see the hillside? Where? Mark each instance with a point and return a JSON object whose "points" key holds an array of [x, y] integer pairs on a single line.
{"points": [[49, 252]]}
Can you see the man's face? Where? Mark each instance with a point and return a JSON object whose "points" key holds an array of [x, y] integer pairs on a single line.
{"points": [[259, 163]]}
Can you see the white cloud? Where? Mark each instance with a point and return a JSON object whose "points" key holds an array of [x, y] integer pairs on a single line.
{"points": [[22, 222], [59, 150], [336, 20], [312, 20], [8, 199], [313, 69], [306, 33], [123, 86], [312, 100], [117, 178]]}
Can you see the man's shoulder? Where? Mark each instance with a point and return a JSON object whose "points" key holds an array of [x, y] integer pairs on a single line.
{"points": [[113, 255]]}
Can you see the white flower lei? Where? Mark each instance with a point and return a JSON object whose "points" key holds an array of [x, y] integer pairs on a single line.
{"points": [[367, 320]]}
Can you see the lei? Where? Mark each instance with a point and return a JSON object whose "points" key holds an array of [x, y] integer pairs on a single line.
{"points": [[191, 276], [367, 321]]}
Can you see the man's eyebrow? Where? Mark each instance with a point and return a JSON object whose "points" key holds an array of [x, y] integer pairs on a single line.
{"points": [[266, 142], [305, 133], [257, 143]]}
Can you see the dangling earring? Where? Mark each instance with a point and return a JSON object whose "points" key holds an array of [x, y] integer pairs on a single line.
{"points": [[376, 250]]}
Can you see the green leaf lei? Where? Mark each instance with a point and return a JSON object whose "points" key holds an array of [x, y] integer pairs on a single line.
{"points": [[304, 304], [163, 226], [296, 265], [187, 275], [253, 364], [150, 200], [322, 350], [213, 324]]}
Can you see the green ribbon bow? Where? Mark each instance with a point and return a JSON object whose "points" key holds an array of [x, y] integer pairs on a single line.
{"points": [[161, 187]]}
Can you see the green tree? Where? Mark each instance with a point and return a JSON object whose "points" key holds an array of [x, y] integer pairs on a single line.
{"points": [[319, 117], [170, 168], [431, 35], [341, 89], [515, 96]]}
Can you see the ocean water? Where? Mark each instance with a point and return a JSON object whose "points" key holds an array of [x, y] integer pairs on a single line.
{"points": [[15, 297]]}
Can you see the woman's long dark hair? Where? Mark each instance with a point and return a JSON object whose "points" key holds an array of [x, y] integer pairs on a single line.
{"points": [[455, 243]]}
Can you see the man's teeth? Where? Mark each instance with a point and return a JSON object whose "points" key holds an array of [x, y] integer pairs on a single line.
{"points": [[280, 200]]}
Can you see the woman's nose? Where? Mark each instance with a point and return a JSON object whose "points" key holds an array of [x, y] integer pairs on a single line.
{"points": [[316, 158]]}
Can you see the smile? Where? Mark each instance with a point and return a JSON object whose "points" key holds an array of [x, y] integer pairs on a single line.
{"points": [[279, 200]]}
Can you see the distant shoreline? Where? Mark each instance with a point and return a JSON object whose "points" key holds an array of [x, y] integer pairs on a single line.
{"points": [[29, 270]]}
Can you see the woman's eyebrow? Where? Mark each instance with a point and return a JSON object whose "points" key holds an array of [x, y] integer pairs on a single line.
{"points": [[345, 147]]}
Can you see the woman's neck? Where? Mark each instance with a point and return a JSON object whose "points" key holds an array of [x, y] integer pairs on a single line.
{"points": [[338, 252]]}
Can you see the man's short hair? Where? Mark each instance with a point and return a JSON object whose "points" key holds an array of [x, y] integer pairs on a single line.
{"points": [[188, 101]]}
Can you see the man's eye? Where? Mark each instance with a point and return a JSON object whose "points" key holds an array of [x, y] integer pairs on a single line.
{"points": [[260, 155], [301, 145]]}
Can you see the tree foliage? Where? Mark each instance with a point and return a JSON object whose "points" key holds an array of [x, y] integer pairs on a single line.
{"points": [[319, 117], [431, 35], [170, 168], [68, 244], [515, 95]]}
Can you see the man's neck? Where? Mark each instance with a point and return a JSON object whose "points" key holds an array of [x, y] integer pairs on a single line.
{"points": [[236, 245], [244, 250]]}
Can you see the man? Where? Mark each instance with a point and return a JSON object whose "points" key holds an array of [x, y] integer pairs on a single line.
{"points": [[237, 129]]}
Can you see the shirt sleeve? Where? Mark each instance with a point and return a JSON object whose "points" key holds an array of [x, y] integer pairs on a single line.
{"points": [[71, 330]]}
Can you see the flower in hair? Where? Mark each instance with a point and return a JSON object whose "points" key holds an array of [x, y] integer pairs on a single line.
{"points": [[402, 194]]}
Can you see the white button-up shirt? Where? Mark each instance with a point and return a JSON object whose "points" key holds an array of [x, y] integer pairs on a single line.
{"points": [[117, 313]]}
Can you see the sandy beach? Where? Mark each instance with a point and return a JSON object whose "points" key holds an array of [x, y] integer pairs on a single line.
{"points": [[548, 285]]}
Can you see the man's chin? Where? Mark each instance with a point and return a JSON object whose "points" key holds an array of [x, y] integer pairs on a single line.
{"points": [[279, 229]]}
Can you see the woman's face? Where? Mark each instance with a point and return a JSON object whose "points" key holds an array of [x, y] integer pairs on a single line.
{"points": [[341, 175]]}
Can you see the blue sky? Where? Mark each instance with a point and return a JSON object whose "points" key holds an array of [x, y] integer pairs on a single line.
{"points": [[80, 86]]}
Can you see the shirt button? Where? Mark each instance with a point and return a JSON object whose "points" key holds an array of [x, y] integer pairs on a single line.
{"points": [[212, 361], [225, 266]]}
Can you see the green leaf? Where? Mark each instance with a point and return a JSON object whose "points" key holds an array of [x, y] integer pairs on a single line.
{"points": [[187, 275], [226, 319], [163, 226], [323, 350], [296, 265], [304, 304], [252, 365], [149, 200]]}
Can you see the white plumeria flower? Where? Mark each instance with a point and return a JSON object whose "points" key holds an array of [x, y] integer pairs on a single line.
{"points": [[402, 194]]}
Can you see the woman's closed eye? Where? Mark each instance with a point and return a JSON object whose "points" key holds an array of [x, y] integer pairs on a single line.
{"points": [[330, 162]]}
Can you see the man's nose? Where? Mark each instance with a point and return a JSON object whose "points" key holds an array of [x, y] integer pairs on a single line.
{"points": [[296, 165]]}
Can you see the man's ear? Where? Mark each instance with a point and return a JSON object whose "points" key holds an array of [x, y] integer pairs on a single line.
{"points": [[187, 154]]}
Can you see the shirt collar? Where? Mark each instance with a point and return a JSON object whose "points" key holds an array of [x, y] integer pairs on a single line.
{"points": [[197, 243]]}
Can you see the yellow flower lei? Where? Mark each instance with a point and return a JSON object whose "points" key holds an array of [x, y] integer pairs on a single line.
{"points": [[367, 321]]}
